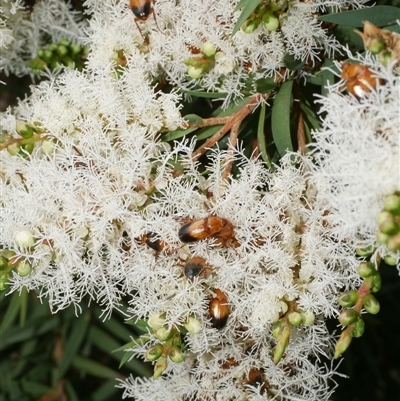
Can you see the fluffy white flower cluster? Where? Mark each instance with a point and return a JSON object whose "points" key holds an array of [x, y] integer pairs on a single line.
{"points": [[23, 32]]}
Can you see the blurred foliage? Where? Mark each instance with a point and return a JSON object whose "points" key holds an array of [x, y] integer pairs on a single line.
{"points": [[62, 356]]}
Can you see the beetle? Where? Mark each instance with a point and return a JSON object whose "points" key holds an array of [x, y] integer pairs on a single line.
{"points": [[210, 227], [142, 9], [218, 309], [194, 267], [153, 241]]}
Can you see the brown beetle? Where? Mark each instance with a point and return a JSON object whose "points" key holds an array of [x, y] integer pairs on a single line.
{"points": [[153, 241], [210, 227], [142, 9], [218, 309], [194, 267]]}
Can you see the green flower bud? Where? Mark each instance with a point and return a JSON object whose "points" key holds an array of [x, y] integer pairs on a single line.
{"points": [[390, 260], [348, 299], [385, 58], [5, 137], [27, 148], [294, 318], [366, 269], [154, 352], [387, 223], [193, 325], [391, 203], [195, 72], [278, 328], [164, 334], [64, 42], [24, 130], [3, 280], [348, 316], [48, 146], [376, 282], [367, 251], [393, 243], [14, 149], [156, 321], [371, 304], [61, 51], [24, 239], [53, 47], [359, 328], [159, 367], [375, 45], [343, 343], [24, 268], [47, 56], [75, 49], [250, 26], [175, 354], [382, 238], [208, 49], [7, 253], [281, 346], [271, 22], [308, 318]]}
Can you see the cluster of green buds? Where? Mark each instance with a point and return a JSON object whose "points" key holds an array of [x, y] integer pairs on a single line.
{"points": [[389, 223], [282, 328], [267, 13], [201, 64], [10, 261], [63, 53], [381, 42], [170, 345], [354, 301], [29, 134]]}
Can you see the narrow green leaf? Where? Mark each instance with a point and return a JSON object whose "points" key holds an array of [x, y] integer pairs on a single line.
{"points": [[179, 133], [261, 137], [105, 392], [378, 15], [393, 28], [293, 63], [210, 95], [27, 349], [71, 393], [327, 76], [35, 389], [280, 118], [248, 8], [264, 85], [11, 312], [125, 357], [24, 306], [73, 343], [94, 368]]}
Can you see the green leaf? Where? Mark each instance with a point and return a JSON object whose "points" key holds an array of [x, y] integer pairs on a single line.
{"points": [[280, 118], [179, 133], [24, 306], [261, 136], [125, 357], [11, 312], [378, 15], [264, 85], [105, 392], [73, 343], [293, 63], [248, 7], [94, 368], [211, 95], [327, 76]]}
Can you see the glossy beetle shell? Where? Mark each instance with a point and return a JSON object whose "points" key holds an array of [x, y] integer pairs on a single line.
{"points": [[219, 309]]}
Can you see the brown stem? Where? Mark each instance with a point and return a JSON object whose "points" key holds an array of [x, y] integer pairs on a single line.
{"points": [[229, 158], [232, 121], [301, 137]]}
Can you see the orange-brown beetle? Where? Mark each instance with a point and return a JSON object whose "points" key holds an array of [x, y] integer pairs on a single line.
{"points": [[142, 9], [360, 80], [153, 241], [219, 309], [212, 226]]}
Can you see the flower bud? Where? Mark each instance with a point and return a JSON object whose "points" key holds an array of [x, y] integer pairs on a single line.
{"points": [[348, 316], [376, 282], [278, 328], [391, 204], [61, 50], [47, 55], [371, 304], [385, 58], [175, 354], [24, 268], [387, 223], [75, 49], [154, 352], [308, 318], [3, 280], [367, 251], [193, 325], [195, 72], [271, 22], [393, 243], [282, 344], [163, 334], [24, 130], [24, 239], [348, 299], [343, 343], [359, 328], [208, 49], [250, 26], [390, 260], [14, 149], [375, 45], [382, 238], [27, 148], [294, 318], [156, 321], [3, 263], [366, 269], [160, 367]]}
